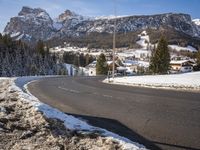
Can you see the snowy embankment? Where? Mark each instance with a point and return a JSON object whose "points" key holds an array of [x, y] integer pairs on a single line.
{"points": [[32, 109], [187, 81]]}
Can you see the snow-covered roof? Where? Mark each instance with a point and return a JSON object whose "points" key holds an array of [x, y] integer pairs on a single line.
{"points": [[135, 62], [121, 68], [180, 61], [92, 65]]}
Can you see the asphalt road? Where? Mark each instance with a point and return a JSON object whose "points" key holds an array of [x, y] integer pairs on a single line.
{"points": [[159, 119]]}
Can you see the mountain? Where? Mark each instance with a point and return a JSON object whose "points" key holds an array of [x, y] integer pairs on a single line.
{"points": [[30, 25], [34, 24]]}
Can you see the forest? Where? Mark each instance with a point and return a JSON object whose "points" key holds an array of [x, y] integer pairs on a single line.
{"points": [[19, 59]]}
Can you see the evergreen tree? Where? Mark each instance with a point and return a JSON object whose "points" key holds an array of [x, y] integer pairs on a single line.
{"points": [[1, 36], [40, 48], [160, 59], [198, 58], [101, 66], [87, 59], [76, 61], [17, 59], [82, 60]]}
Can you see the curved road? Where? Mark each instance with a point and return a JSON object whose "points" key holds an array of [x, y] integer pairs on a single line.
{"points": [[159, 119]]}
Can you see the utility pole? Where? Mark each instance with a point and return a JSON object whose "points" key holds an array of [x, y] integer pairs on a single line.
{"points": [[114, 41]]}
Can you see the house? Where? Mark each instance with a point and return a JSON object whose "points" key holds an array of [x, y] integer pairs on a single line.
{"points": [[92, 68], [92, 71], [136, 65], [181, 65]]}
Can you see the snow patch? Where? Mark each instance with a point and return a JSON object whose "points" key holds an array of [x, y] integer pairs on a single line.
{"points": [[43, 15], [185, 81], [20, 37], [108, 17], [179, 48], [196, 21], [15, 34], [144, 40]]}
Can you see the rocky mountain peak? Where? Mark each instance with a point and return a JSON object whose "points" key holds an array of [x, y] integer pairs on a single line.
{"points": [[34, 13], [31, 23], [27, 11], [66, 15]]}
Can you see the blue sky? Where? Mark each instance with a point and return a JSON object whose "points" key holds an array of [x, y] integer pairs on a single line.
{"points": [[10, 8]]}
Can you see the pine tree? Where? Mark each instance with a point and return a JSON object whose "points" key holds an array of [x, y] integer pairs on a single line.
{"points": [[198, 58], [160, 59], [87, 59], [101, 66], [40, 48], [76, 61], [1, 36]]}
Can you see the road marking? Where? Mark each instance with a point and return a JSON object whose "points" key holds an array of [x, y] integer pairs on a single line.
{"points": [[78, 92], [109, 96], [69, 90]]}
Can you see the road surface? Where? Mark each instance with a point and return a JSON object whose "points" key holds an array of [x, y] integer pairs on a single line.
{"points": [[159, 119]]}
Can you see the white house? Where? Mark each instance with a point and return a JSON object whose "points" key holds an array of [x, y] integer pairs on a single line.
{"points": [[181, 65], [92, 71], [92, 68]]}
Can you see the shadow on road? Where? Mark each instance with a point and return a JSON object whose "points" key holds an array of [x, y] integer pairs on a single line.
{"points": [[118, 128], [173, 146]]}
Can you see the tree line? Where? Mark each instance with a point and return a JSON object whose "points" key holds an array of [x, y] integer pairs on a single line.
{"points": [[18, 59], [77, 59]]}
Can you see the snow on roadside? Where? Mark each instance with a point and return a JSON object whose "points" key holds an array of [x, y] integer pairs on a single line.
{"points": [[71, 122], [187, 81]]}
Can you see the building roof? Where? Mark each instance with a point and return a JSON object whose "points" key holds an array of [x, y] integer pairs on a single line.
{"points": [[180, 61]]}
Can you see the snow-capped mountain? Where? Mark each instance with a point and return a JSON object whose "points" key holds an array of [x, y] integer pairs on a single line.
{"points": [[33, 24], [30, 24], [197, 23]]}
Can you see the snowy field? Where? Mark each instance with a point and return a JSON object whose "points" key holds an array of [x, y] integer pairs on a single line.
{"points": [[187, 81], [69, 121], [179, 48]]}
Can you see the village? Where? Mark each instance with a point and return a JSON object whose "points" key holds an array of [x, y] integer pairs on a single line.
{"points": [[129, 62]]}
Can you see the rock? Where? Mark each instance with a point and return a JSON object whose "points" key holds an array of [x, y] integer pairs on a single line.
{"points": [[2, 109], [26, 134], [3, 120]]}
